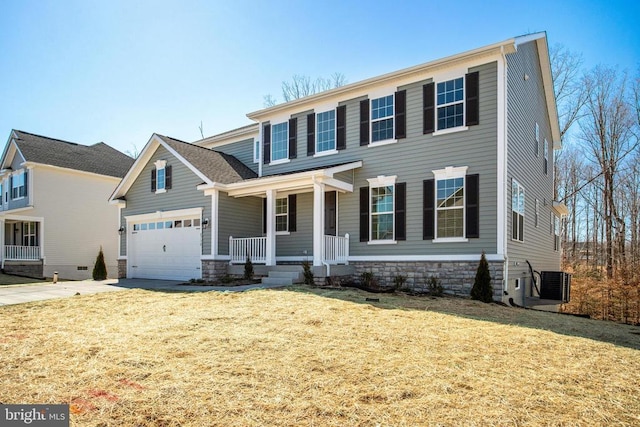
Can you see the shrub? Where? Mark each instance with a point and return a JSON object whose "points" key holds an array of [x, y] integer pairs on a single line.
{"points": [[248, 269], [307, 273], [369, 280], [400, 281], [100, 268], [435, 286], [226, 279], [482, 289]]}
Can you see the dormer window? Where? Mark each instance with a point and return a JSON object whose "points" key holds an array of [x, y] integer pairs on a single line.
{"points": [[160, 177]]}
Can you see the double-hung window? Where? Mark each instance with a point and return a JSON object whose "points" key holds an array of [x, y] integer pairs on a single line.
{"points": [[546, 156], [282, 215], [326, 131], [450, 103], [279, 141], [450, 208], [382, 124], [256, 151], [18, 185], [537, 141], [382, 212], [517, 209], [160, 177]]}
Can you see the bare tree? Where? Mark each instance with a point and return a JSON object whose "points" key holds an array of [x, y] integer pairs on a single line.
{"points": [[302, 85], [566, 68]]}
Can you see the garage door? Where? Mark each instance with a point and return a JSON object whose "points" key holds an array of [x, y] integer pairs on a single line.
{"points": [[165, 249]]}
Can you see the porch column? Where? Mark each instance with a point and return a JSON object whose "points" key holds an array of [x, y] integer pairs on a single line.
{"points": [[318, 223], [271, 228]]}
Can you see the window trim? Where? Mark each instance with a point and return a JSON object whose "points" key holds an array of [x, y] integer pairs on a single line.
{"points": [[378, 182], [19, 195], [537, 144], [437, 130], [386, 141], [284, 159], [440, 175], [334, 149], [517, 283], [285, 214], [518, 238], [546, 157], [256, 150], [161, 165]]}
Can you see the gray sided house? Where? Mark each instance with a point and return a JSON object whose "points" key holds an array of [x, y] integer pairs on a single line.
{"points": [[54, 210], [414, 173]]}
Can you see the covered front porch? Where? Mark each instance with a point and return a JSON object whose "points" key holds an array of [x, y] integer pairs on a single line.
{"points": [[299, 218], [21, 240]]}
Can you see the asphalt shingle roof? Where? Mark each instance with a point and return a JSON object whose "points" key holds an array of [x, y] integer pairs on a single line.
{"points": [[218, 167], [99, 158]]}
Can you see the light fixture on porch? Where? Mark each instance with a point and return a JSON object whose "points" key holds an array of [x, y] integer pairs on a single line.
{"points": [[205, 223], [121, 230]]}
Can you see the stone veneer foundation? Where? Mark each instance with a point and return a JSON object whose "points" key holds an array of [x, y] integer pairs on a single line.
{"points": [[214, 270], [122, 269], [456, 277]]}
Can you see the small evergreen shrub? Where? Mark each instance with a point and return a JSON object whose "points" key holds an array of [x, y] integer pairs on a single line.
{"points": [[100, 268], [435, 286], [400, 281], [248, 269], [307, 273], [226, 279], [482, 289], [369, 280]]}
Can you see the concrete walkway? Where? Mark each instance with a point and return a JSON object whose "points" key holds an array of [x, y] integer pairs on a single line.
{"points": [[17, 294]]}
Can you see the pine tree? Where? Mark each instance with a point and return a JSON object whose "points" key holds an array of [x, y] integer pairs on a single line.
{"points": [[100, 268], [482, 289]]}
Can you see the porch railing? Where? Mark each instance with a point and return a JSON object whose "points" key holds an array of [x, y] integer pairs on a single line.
{"points": [[253, 247], [336, 249], [21, 253]]}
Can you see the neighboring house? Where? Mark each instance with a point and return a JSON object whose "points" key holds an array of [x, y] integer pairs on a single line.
{"points": [[413, 173], [54, 210]]}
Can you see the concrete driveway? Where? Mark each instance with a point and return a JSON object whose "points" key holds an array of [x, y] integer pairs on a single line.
{"points": [[17, 294]]}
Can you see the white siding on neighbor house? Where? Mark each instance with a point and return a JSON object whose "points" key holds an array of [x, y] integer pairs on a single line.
{"points": [[182, 195], [78, 220], [526, 107]]}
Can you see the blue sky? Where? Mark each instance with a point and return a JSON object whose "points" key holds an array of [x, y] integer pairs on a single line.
{"points": [[117, 71]]}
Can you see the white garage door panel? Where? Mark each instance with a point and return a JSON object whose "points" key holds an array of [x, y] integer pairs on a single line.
{"points": [[172, 254]]}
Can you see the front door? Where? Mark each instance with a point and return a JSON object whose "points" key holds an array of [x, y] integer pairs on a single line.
{"points": [[330, 202]]}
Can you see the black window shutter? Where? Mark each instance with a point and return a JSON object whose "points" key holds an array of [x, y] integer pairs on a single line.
{"points": [[364, 122], [264, 216], [341, 127], [472, 102], [364, 214], [311, 134], [167, 177], [401, 114], [293, 212], [293, 138], [10, 189], [428, 202], [26, 179], [153, 180], [266, 144], [428, 110], [401, 211], [472, 199]]}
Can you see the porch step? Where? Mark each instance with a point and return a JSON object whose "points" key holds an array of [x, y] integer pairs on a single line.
{"points": [[277, 277]]}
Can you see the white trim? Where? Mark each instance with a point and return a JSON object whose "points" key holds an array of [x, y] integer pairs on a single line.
{"points": [[435, 258], [382, 181], [450, 172], [164, 215], [383, 242], [279, 162], [121, 258], [325, 153], [450, 240], [450, 130], [213, 222], [501, 159], [215, 258], [382, 142], [257, 148]]}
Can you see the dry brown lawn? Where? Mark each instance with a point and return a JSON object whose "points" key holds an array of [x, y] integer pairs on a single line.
{"points": [[315, 358]]}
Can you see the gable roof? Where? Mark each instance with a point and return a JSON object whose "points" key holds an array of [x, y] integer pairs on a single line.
{"points": [[218, 167], [210, 165], [99, 158]]}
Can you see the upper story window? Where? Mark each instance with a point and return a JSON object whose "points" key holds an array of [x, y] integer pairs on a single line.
{"points": [[256, 151], [326, 131], [450, 101], [537, 141], [517, 209], [556, 232], [450, 208], [279, 141], [18, 185], [546, 156], [382, 118], [160, 177]]}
